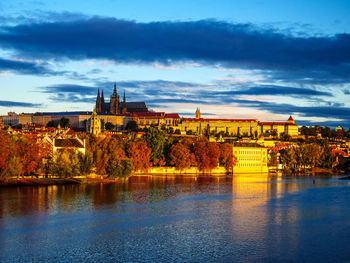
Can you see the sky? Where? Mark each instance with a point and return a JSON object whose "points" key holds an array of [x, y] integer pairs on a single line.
{"points": [[261, 60]]}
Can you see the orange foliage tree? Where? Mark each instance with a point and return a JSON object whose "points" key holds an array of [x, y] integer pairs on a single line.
{"points": [[181, 156], [106, 151], [207, 155], [4, 154], [140, 154]]}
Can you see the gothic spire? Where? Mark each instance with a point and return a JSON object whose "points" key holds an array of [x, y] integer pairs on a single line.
{"points": [[98, 92], [102, 97], [115, 94]]}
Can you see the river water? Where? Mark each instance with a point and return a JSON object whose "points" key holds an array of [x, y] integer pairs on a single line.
{"points": [[168, 219]]}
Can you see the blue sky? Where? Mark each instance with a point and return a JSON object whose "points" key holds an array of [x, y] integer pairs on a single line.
{"points": [[233, 59]]}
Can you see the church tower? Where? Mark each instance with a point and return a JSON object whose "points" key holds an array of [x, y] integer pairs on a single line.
{"points": [[98, 102], [114, 105], [198, 114], [93, 125]]}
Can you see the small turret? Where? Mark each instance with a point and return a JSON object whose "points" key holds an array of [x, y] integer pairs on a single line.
{"points": [[290, 120], [124, 104]]}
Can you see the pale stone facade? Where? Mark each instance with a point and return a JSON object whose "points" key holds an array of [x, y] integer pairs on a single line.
{"points": [[14, 119]]}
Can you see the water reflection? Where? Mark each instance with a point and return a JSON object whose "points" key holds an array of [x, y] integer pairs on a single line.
{"points": [[167, 218]]}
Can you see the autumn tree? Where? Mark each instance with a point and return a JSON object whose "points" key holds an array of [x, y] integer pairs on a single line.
{"points": [[180, 156], [4, 154], [289, 158], [273, 159], [213, 152], [140, 154], [312, 154], [207, 155]]}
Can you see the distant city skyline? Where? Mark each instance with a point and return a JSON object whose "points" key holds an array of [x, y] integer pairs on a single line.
{"points": [[233, 59]]}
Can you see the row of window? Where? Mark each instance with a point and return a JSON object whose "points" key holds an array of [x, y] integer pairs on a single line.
{"points": [[255, 158], [249, 165], [250, 152]]}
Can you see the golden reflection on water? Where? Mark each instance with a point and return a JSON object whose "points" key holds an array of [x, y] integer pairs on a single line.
{"points": [[248, 191]]}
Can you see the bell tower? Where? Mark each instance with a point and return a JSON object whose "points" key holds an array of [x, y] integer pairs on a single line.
{"points": [[198, 114]]}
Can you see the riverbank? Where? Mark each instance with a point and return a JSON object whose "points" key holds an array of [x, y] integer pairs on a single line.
{"points": [[94, 179], [40, 181]]}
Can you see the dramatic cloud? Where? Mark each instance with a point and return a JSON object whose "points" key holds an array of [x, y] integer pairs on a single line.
{"points": [[23, 67], [70, 89], [306, 59], [275, 91], [6, 103]]}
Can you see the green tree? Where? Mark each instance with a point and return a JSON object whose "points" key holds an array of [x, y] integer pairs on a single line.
{"points": [[326, 157], [109, 126], [64, 122], [120, 169], [65, 164], [52, 124], [85, 163], [132, 126], [155, 140]]}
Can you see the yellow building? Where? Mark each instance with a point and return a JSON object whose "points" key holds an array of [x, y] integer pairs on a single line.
{"points": [[231, 127], [146, 119], [279, 128], [93, 125], [251, 158]]}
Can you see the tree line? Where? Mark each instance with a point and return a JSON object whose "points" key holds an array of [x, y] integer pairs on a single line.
{"points": [[115, 156], [308, 155]]}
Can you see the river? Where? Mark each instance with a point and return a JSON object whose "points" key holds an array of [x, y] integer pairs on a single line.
{"points": [[169, 219]]}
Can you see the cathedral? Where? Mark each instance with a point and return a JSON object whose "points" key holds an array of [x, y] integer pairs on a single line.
{"points": [[115, 106]]}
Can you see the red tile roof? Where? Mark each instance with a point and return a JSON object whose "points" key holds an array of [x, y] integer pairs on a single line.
{"points": [[273, 123], [148, 114], [172, 115], [68, 143], [231, 120]]}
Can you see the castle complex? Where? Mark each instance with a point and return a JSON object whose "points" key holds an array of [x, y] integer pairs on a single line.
{"points": [[120, 113]]}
